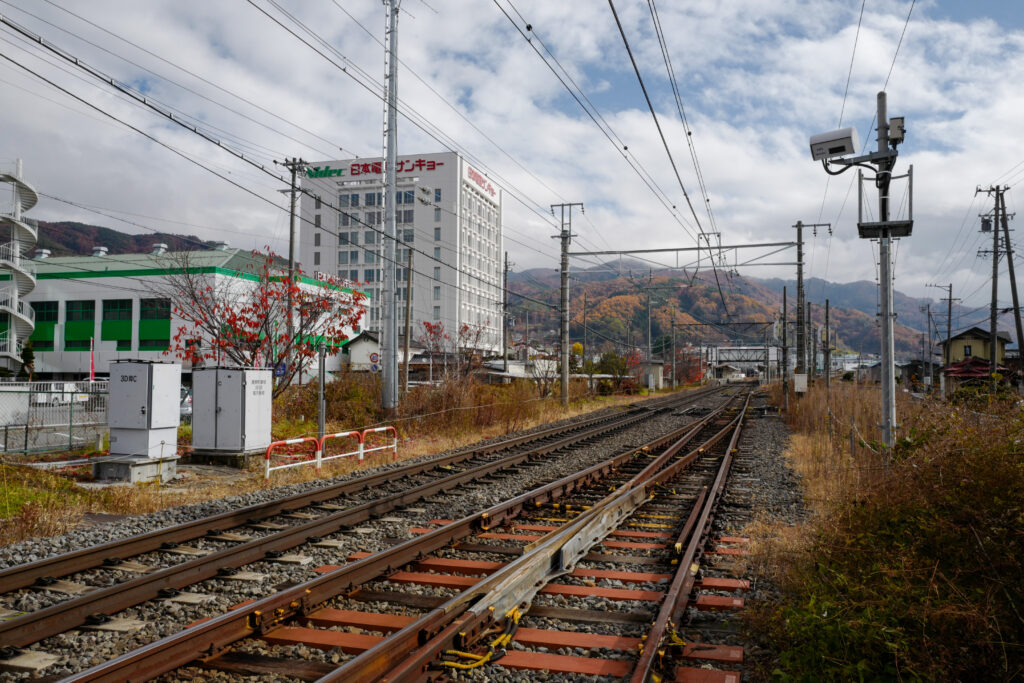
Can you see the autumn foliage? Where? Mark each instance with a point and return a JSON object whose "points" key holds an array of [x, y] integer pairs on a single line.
{"points": [[244, 321]]}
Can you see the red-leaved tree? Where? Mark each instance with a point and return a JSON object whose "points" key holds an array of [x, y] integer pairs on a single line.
{"points": [[244, 320]]}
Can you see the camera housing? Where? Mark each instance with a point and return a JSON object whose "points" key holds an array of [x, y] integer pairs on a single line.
{"points": [[835, 143]]}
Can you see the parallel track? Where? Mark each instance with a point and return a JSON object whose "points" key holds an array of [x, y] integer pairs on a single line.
{"points": [[414, 649]]}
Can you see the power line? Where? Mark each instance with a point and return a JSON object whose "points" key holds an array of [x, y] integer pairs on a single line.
{"points": [[664, 143]]}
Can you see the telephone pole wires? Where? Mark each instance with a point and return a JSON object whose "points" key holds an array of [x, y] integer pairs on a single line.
{"points": [[993, 323], [295, 166], [566, 237]]}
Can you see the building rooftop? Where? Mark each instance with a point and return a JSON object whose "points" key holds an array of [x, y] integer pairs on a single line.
{"points": [[238, 260]]}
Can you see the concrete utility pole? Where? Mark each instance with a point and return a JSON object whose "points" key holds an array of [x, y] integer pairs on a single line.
{"points": [[785, 354], [295, 166], [389, 321], [408, 318], [826, 350], [993, 327], [566, 237], [1013, 280], [674, 382], [586, 349], [949, 317], [504, 318], [801, 348], [811, 348], [882, 181]]}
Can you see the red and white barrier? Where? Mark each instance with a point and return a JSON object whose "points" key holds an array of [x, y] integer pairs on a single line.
{"points": [[393, 445], [339, 435], [296, 460], [317, 458]]}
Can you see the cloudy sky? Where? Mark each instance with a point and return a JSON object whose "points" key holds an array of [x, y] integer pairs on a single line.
{"points": [[755, 78]]}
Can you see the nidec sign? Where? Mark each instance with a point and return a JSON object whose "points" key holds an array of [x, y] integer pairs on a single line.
{"points": [[374, 168]]}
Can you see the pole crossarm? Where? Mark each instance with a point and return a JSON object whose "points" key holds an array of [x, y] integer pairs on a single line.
{"points": [[662, 250]]}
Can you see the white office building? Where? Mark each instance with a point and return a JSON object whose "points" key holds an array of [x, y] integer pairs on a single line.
{"points": [[447, 212]]}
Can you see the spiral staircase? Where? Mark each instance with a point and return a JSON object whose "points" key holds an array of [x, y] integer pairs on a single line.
{"points": [[17, 271]]}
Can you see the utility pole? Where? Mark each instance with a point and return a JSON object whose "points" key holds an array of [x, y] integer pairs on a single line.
{"points": [[785, 354], [826, 349], [1013, 283], [295, 166], [389, 322], [810, 350], [586, 349], [949, 317], [566, 237], [993, 326], [504, 318], [408, 318], [674, 382], [890, 133], [927, 309], [321, 403], [801, 349]]}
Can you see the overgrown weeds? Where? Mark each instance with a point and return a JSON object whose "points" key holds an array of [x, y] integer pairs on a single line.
{"points": [[911, 568]]}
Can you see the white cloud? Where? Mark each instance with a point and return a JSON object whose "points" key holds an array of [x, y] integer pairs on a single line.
{"points": [[756, 78]]}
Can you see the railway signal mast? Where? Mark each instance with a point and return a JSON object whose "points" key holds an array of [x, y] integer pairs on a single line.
{"points": [[832, 149]]}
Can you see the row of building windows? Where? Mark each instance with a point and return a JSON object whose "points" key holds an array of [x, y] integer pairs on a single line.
{"points": [[350, 200], [113, 309], [346, 219]]}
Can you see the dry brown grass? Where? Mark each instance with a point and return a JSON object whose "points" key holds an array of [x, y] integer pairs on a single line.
{"points": [[37, 503]]}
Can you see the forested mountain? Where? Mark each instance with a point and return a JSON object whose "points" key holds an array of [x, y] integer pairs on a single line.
{"points": [[616, 310], [68, 238]]}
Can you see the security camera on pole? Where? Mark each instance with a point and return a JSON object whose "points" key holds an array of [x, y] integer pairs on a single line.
{"points": [[831, 148]]}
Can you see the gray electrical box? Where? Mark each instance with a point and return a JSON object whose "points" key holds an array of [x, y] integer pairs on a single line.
{"points": [[231, 409], [143, 409]]}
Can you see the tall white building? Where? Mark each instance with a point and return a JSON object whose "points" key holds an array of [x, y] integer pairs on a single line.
{"points": [[447, 212]]}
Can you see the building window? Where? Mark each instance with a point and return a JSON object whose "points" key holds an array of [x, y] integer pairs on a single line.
{"points": [[316, 235], [80, 310], [437, 215], [370, 257], [353, 257], [437, 293], [406, 216], [437, 312], [342, 258], [370, 237], [154, 344], [46, 312], [76, 344], [437, 253], [967, 350], [437, 194], [42, 344], [368, 274], [316, 257], [117, 309], [437, 234], [437, 272], [154, 309], [407, 236], [353, 275], [317, 206], [344, 220]]}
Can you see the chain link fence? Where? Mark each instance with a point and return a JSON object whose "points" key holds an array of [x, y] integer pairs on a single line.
{"points": [[50, 416]]}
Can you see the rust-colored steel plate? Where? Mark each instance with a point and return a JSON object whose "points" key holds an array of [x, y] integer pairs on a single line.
{"points": [[442, 580], [687, 674], [730, 551], [713, 653], [526, 538], [589, 666], [718, 583], [626, 577], [717, 603], [368, 621], [618, 532], [549, 638], [321, 639], [733, 539], [450, 564], [598, 592], [633, 545]]}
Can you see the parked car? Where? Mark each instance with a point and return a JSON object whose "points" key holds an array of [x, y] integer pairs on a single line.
{"points": [[60, 393], [186, 405]]}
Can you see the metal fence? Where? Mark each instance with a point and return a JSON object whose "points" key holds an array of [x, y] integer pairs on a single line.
{"points": [[50, 416]]}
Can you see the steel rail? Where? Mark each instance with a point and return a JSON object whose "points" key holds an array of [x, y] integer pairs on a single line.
{"points": [[22, 576], [674, 604], [406, 654], [35, 626], [211, 636]]}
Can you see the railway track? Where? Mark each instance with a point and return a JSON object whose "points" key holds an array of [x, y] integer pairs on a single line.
{"points": [[471, 595], [217, 547]]}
